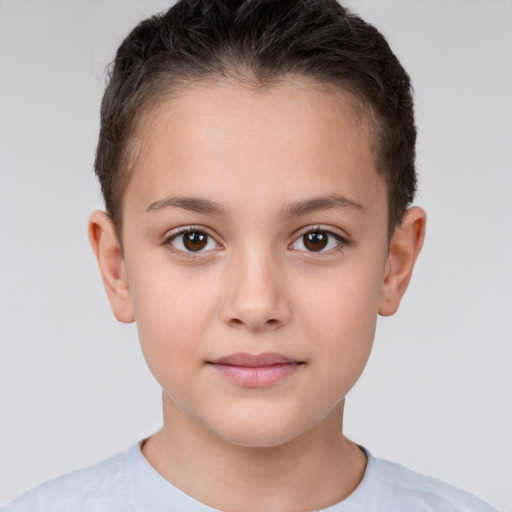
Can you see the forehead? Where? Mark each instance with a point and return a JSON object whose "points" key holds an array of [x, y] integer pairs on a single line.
{"points": [[295, 109], [238, 143]]}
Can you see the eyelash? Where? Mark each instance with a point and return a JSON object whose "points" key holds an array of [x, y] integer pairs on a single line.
{"points": [[183, 231], [342, 242]]}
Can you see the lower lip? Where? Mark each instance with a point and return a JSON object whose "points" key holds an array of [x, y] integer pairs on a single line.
{"points": [[257, 376]]}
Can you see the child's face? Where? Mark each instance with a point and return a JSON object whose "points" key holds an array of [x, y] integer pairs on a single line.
{"points": [[250, 174]]}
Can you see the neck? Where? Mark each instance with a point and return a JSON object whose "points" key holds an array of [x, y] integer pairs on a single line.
{"points": [[315, 470]]}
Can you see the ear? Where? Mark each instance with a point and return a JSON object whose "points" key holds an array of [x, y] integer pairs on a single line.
{"points": [[404, 248], [108, 252]]}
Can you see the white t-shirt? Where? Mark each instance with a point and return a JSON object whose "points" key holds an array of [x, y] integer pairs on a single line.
{"points": [[127, 482]]}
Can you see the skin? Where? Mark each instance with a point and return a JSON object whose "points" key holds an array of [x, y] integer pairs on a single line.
{"points": [[256, 287]]}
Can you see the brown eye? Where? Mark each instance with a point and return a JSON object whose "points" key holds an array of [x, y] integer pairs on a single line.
{"points": [[315, 240], [319, 240], [195, 240], [192, 241]]}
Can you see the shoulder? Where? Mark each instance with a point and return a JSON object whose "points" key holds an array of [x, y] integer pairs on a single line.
{"points": [[98, 488], [387, 486]]}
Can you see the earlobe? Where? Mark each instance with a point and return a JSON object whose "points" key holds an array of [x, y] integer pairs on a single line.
{"points": [[108, 252], [404, 248]]}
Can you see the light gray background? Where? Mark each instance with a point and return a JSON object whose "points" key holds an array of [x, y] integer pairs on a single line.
{"points": [[436, 395]]}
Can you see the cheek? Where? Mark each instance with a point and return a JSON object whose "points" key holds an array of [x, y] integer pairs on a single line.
{"points": [[342, 317], [342, 300], [172, 315]]}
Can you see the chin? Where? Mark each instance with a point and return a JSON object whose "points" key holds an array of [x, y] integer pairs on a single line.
{"points": [[258, 440], [259, 434]]}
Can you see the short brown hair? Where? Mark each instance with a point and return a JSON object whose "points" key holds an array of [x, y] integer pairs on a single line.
{"points": [[257, 43]]}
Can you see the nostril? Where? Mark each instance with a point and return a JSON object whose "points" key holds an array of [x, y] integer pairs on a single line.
{"points": [[272, 323]]}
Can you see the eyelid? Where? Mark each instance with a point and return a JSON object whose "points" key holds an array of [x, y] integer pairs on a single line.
{"points": [[343, 239], [176, 232], [337, 232]]}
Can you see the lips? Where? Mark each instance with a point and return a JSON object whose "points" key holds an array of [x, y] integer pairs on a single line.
{"points": [[261, 370]]}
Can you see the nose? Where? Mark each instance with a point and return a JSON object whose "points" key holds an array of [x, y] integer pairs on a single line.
{"points": [[255, 292]]}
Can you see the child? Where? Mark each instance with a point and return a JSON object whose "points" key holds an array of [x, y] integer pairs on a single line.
{"points": [[257, 164]]}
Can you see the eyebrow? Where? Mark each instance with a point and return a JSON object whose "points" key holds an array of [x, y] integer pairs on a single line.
{"points": [[193, 204], [322, 203], [294, 209]]}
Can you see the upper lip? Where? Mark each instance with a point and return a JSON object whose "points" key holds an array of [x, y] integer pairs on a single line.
{"points": [[255, 360]]}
